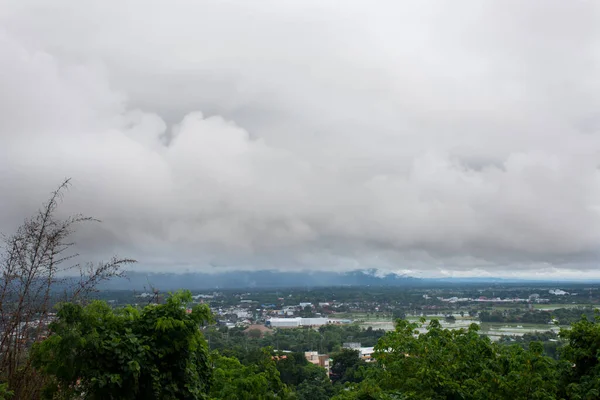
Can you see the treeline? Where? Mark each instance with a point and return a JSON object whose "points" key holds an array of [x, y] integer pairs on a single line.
{"points": [[561, 316], [160, 352], [550, 340], [327, 339], [462, 364]]}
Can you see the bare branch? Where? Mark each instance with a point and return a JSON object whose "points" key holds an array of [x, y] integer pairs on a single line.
{"points": [[33, 266]]}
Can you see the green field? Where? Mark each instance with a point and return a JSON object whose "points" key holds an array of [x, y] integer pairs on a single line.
{"points": [[363, 316], [546, 306]]}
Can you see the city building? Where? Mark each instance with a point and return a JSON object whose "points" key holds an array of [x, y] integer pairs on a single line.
{"points": [[322, 360], [295, 322]]}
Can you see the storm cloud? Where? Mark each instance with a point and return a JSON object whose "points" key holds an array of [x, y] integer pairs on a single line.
{"points": [[428, 137]]}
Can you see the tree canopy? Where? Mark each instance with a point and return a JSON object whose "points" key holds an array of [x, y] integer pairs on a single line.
{"points": [[463, 364], [154, 353], [159, 352]]}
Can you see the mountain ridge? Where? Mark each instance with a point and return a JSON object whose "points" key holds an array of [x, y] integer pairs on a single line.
{"points": [[268, 278]]}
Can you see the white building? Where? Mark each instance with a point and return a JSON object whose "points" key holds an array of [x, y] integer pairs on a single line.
{"points": [[557, 292], [313, 321], [366, 353], [295, 322], [284, 322], [242, 313]]}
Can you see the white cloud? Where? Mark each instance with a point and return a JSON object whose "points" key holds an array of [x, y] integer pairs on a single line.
{"points": [[429, 137]]}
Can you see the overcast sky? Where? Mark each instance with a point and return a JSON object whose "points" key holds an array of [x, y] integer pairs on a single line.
{"points": [[425, 137]]}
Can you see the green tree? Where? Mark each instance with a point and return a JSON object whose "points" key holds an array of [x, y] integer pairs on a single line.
{"points": [[33, 262], [346, 365], [398, 314], [309, 380], [100, 353], [459, 364], [581, 377], [254, 333], [4, 392], [234, 381]]}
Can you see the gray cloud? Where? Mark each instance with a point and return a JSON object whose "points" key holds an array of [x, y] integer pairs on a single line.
{"points": [[427, 137]]}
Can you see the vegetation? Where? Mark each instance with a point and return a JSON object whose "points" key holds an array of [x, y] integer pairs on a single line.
{"points": [[33, 262], [327, 339], [159, 352], [551, 341], [455, 364], [154, 353], [461, 364], [232, 380], [56, 343], [561, 316], [309, 381], [348, 366]]}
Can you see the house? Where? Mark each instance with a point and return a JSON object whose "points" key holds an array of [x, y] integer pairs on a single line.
{"points": [[322, 360], [366, 353]]}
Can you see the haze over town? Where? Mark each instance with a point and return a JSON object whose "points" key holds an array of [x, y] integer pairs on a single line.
{"points": [[428, 138]]}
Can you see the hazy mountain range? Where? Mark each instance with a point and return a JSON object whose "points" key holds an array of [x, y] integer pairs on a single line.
{"points": [[278, 279]]}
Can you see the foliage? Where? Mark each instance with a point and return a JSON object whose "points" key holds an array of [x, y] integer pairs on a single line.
{"points": [[564, 316], [154, 353], [259, 381], [346, 366], [457, 364], [5, 393], [450, 318], [581, 378], [549, 339], [398, 314], [327, 339], [33, 262], [310, 381]]}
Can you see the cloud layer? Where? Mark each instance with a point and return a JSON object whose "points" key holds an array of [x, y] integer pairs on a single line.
{"points": [[425, 137]]}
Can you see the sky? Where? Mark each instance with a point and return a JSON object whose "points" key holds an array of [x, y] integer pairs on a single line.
{"points": [[430, 138]]}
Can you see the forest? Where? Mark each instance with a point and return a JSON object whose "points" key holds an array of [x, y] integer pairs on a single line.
{"points": [[560, 316]]}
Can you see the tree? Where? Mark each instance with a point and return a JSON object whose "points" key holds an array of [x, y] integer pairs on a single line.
{"points": [[310, 381], [154, 353], [5, 393], [234, 381], [450, 318], [33, 263], [458, 364], [345, 367], [254, 333], [398, 314], [581, 377]]}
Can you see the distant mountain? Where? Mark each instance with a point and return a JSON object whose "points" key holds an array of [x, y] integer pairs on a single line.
{"points": [[299, 279], [258, 279]]}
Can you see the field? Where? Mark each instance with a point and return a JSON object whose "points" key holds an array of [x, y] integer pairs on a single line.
{"points": [[546, 306], [493, 330]]}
